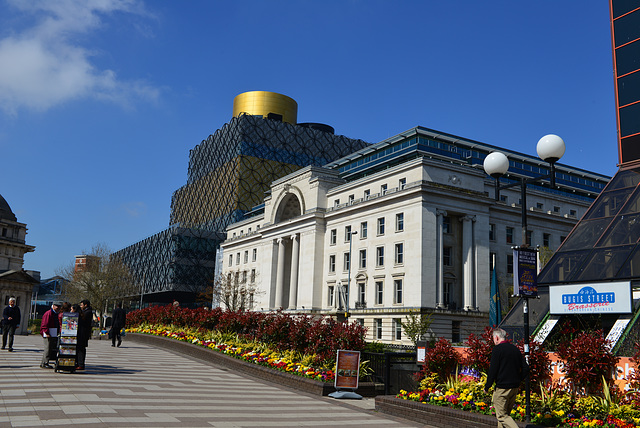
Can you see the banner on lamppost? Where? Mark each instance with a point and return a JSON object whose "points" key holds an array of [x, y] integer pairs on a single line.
{"points": [[525, 276]]}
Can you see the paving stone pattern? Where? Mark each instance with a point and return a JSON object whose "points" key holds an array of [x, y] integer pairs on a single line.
{"points": [[138, 385]]}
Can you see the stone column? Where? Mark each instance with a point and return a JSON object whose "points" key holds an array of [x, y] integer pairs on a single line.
{"points": [[293, 283], [467, 262], [280, 275], [440, 259]]}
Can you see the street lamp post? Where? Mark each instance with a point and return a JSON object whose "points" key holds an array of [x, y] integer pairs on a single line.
{"points": [[355, 232], [550, 149]]}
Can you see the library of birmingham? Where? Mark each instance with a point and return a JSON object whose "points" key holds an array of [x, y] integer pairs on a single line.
{"points": [[317, 223]]}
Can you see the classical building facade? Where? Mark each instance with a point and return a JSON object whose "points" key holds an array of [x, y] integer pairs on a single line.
{"points": [[14, 281], [408, 225]]}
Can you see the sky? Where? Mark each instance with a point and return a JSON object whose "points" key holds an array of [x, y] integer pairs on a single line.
{"points": [[101, 100]]}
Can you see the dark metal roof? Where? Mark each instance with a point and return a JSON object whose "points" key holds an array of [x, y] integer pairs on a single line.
{"points": [[5, 211]]}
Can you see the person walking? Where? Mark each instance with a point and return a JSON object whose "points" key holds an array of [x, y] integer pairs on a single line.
{"points": [[84, 332], [49, 328], [118, 321], [10, 322], [507, 369]]}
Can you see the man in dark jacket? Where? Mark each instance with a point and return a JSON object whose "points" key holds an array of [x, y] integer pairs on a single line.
{"points": [[84, 332], [118, 321], [507, 369], [49, 329], [10, 322]]}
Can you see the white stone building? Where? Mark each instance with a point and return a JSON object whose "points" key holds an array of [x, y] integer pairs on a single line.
{"points": [[406, 225]]}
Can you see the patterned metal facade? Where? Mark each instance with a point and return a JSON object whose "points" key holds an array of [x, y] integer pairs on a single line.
{"points": [[228, 175]]}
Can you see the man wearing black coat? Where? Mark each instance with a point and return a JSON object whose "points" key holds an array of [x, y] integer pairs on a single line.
{"points": [[118, 321], [10, 322], [507, 369], [84, 332]]}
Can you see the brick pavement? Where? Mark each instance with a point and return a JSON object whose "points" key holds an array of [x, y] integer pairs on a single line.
{"points": [[138, 385]]}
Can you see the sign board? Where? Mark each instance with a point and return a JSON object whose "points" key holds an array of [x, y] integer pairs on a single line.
{"points": [[617, 330], [421, 351], [525, 277], [347, 369], [604, 297], [545, 330]]}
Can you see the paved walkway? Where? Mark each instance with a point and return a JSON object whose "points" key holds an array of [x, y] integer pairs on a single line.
{"points": [[137, 385]]}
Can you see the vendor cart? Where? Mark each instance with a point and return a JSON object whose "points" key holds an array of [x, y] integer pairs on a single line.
{"points": [[67, 343]]}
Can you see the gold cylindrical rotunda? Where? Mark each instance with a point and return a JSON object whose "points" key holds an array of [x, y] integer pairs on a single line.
{"points": [[266, 104]]}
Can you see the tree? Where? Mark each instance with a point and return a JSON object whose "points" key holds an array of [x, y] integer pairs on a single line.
{"points": [[102, 279], [416, 326], [233, 292]]}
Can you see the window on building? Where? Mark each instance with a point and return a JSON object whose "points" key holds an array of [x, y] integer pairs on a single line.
{"points": [[383, 189], [238, 258], [230, 259], [509, 235], [379, 292], [397, 328], [572, 212], [397, 291], [367, 193], [539, 205], [510, 263], [332, 263], [455, 331], [378, 324], [336, 202], [360, 321], [246, 256], [333, 237], [244, 276], [347, 257], [492, 232], [446, 224], [446, 292], [347, 233], [254, 256], [556, 209], [331, 296], [529, 238], [399, 253], [363, 230], [546, 239], [399, 222], [504, 199], [402, 183], [363, 259], [381, 226], [446, 256], [361, 293], [253, 276], [352, 198], [380, 256]]}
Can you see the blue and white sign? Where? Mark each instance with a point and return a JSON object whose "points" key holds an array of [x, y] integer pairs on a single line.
{"points": [[605, 297]]}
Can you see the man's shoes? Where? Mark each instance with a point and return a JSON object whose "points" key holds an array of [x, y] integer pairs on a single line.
{"points": [[119, 343], [4, 347], [46, 366], [113, 346], [10, 349]]}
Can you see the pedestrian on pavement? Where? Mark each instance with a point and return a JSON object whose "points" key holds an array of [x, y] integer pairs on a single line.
{"points": [[10, 322], [49, 328], [66, 307], [507, 369], [118, 321], [84, 332]]}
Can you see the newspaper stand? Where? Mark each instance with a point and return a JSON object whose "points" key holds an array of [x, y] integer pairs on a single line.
{"points": [[67, 343]]}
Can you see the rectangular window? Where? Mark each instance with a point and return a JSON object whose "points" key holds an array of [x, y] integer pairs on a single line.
{"points": [[246, 256], [363, 259], [379, 292], [332, 263], [529, 237], [509, 235], [492, 232], [333, 237], [446, 256], [254, 256], [539, 205], [397, 291], [238, 258], [361, 294], [446, 292], [572, 212], [381, 226], [230, 259], [556, 209], [546, 239], [253, 276], [397, 328], [352, 198], [383, 189], [336, 203], [378, 324], [331, 296], [402, 183], [399, 222], [363, 230], [510, 263], [347, 256], [380, 256], [399, 253], [503, 199], [347, 233], [244, 277], [446, 224], [455, 331], [367, 193]]}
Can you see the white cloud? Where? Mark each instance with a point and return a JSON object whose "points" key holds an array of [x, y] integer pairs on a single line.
{"points": [[43, 65], [135, 209]]}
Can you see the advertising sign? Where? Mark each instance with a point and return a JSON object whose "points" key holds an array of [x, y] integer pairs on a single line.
{"points": [[525, 275], [605, 297], [347, 369]]}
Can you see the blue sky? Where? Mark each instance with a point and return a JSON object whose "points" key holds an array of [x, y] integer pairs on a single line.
{"points": [[101, 100]]}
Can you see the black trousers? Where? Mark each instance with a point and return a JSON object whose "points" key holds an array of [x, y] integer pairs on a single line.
{"points": [[81, 353], [9, 330]]}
